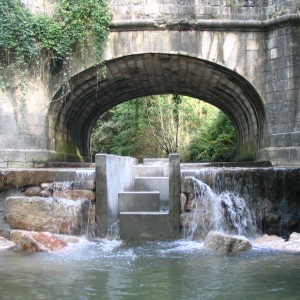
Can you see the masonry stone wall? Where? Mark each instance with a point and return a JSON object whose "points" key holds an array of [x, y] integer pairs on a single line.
{"points": [[240, 55], [282, 83], [201, 9]]}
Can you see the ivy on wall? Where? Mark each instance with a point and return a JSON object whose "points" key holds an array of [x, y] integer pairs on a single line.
{"points": [[27, 40]]}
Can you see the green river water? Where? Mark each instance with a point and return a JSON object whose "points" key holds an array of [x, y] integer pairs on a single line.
{"points": [[148, 270]]}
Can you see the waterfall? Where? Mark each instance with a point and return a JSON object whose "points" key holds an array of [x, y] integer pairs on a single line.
{"points": [[226, 212]]}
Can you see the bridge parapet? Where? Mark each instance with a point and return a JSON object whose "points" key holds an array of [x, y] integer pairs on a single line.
{"points": [[195, 9]]}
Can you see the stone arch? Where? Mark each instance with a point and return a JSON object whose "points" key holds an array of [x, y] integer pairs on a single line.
{"points": [[72, 119]]}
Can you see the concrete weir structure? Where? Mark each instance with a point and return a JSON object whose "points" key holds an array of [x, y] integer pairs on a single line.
{"points": [[132, 204], [242, 56]]}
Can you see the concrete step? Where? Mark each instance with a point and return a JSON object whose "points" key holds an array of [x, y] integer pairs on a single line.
{"points": [[148, 171], [139, 201], [144, 226], [160, 184], [158, 162], [155, 161]]}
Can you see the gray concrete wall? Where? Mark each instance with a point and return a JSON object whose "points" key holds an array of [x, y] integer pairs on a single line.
{"points": [[113, 175], [156, 225], [174, 192]]}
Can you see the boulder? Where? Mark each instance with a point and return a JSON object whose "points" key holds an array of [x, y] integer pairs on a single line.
{"points": [[226, 243], [41, 242], [32, 191], [47, 214], [6, 244]]}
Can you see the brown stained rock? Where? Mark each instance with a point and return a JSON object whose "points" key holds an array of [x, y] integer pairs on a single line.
{"points": [[27, 177], [33, 177], [75, 195], [6, 244], [41, 242], [33, 191], [15, 235], [47, 214]]}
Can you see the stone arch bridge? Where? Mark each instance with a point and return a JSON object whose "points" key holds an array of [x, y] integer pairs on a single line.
{"points": [[242, 56]]}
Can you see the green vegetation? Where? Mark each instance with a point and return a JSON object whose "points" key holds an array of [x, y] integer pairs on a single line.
{"points": [[155, 126], [216, 141], [29, 42]]}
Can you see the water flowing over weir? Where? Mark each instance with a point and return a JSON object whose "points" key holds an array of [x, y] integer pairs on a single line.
{"points": [[225, 212], [233, 200], [271, 193], [56, 200]]}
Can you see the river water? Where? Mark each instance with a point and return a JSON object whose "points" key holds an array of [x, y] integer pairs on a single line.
{"points": [[148, 270]]}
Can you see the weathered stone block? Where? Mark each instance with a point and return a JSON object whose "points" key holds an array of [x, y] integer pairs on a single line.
{"points": [[42, 214]]}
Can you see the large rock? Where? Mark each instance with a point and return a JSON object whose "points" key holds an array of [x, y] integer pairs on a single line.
{"points": [[40, 242], [33, 191], [43, 214], [226, 243]]}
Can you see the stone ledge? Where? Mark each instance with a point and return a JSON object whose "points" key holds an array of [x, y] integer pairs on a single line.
{"points": [[221, 25]]}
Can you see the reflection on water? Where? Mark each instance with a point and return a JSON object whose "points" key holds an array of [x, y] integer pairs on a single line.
{"points": [[148, 270]]}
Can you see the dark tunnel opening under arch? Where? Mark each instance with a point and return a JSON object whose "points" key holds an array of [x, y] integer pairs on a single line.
{"points": [[135, 76]]}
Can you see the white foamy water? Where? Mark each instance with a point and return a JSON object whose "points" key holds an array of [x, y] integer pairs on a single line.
{"points": [[225, 212]]}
